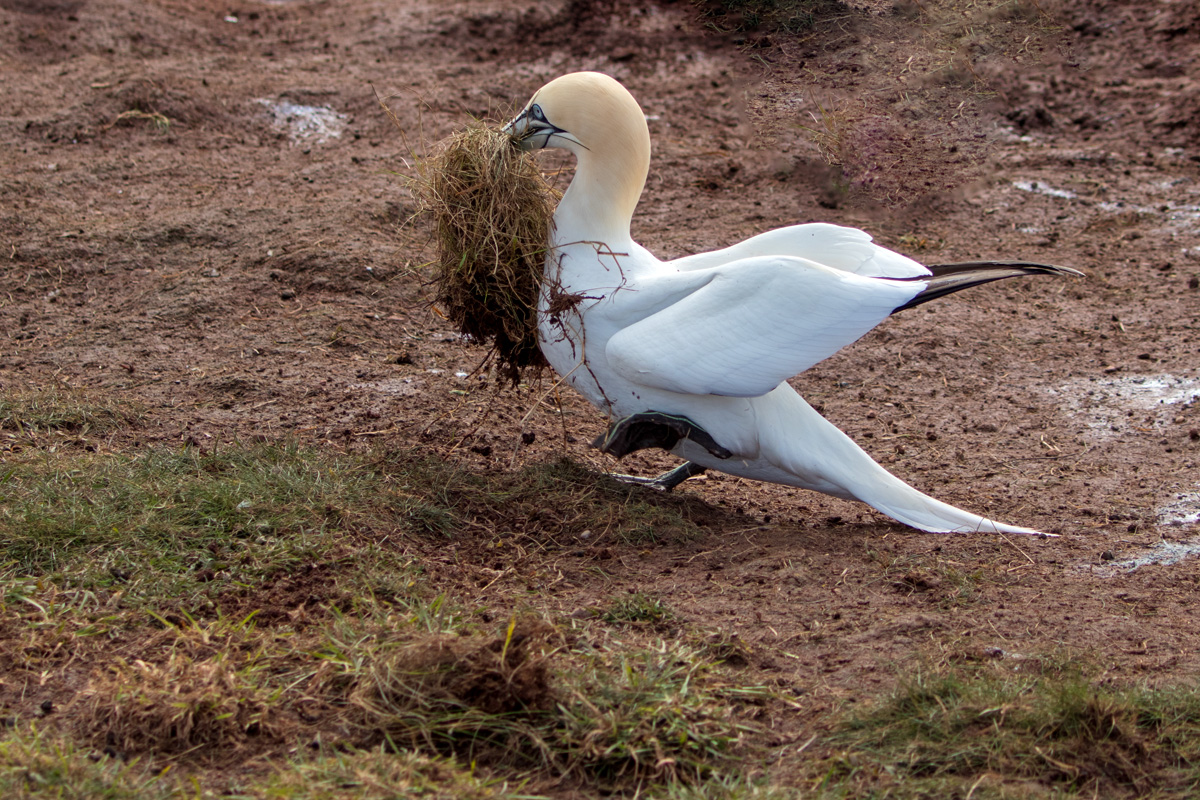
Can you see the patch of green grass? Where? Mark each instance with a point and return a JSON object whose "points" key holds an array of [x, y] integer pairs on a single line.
{"points": [[180, 523], [655, 715], [381, 773], [36, 414], [135, 580], [168, 500], [997, 735], [194, 525], [36, 765], [639, 608]]}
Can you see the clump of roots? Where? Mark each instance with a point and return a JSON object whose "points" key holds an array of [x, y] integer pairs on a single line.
{"points": [[493, 212]]}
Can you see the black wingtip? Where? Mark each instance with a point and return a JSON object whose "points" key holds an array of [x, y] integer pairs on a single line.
{"points": [[950, 278], [1023, 268]]}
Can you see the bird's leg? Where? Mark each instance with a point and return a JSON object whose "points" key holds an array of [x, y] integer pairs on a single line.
{"points": [[654, 429], [667, 481]]}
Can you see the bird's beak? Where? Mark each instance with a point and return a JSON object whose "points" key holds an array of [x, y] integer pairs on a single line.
{"points": [[520, 129], [532, 131]]}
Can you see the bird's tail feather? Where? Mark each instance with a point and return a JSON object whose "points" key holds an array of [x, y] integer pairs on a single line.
{"points": [[828, 460], [923, 512], [950, 278]]}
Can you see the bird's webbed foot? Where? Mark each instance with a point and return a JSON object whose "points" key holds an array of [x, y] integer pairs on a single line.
{"points": [[654, 429], [665, 482]]}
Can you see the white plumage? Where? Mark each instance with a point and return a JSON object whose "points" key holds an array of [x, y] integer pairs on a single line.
{"points": [[693, 355]]}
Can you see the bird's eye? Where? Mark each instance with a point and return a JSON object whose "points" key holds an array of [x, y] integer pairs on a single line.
{"points": [[536, 112]]}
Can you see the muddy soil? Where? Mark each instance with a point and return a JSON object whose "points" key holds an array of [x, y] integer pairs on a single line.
{"points": [[205, 211]]}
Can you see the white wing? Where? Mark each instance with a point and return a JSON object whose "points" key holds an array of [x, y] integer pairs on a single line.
{"points": [[752, 325], [846, 249]]}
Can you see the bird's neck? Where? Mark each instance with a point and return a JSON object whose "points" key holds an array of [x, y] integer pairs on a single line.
{"points": [[598, 205]]}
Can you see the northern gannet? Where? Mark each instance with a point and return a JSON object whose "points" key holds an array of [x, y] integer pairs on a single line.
{"points": [[693, 355]]}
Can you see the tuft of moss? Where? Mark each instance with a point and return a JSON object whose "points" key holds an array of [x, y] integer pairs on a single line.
{"points": [[493, 212]]}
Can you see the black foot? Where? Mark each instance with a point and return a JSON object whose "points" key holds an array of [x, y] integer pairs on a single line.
{"points": [[667, 481], [652, 429]]}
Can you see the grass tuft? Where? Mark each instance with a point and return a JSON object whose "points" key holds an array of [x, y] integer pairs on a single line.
{"points": [[942, 735], [474, 696], [178, 706], [639, 608], [656, 715], [382, 773], [519, 699], [206, 694], [36, 764], [32, 415]]}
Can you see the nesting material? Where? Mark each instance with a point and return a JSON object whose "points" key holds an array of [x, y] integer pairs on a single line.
{"points": [[493, 211]]}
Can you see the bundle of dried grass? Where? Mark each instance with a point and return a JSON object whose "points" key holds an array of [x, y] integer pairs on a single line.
{"points": [[493, 211]]}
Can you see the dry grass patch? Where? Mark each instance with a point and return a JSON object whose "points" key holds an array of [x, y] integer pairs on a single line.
{"points": [[178, 706], [525, 699], [211, 692], [468, 695]]}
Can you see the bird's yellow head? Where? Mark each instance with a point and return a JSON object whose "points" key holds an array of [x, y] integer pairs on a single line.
{"points": [[581, 111], [596, 118]]}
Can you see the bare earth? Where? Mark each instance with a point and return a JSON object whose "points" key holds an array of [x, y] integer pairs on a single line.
{"points": [[246, 268]]}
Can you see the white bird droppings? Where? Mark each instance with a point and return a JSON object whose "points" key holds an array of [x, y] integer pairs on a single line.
{"points": [[1114, 406], [306, 123], [1138, 405], [1162, 554], [1183, 510], [1041, 188]]}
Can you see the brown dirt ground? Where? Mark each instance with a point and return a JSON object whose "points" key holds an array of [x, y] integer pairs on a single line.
{"points": [[242, 282]]}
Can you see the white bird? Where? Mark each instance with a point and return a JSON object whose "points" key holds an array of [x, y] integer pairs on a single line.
{"points": [[693, 355]]}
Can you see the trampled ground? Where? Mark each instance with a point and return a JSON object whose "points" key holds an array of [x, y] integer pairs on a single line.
{"points": [[205, 221]]}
